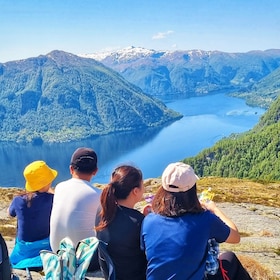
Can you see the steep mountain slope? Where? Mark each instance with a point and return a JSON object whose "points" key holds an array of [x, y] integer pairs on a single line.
{"points": [[190, 73], [263, 92], [254, 154], [62, 97]]}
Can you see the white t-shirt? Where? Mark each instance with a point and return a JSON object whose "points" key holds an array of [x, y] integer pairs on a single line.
{"points": [[74, 209]]}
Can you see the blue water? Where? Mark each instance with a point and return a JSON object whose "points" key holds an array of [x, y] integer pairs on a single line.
{"points": [[206, 120]]}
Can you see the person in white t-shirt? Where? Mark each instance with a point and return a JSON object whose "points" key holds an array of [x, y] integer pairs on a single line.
{"points": [[75, 203]]}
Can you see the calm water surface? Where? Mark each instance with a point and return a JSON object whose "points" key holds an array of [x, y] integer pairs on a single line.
{"points": [[206, 120]]}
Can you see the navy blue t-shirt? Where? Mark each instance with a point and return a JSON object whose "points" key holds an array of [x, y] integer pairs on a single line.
{"points": [[33, 223]]}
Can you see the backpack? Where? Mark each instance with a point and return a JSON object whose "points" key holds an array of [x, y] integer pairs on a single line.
{"points": [[5, 266], [69, 262], [72, 263]]}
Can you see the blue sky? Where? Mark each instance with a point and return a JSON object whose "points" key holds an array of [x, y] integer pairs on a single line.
{"points": [[29, 28]]}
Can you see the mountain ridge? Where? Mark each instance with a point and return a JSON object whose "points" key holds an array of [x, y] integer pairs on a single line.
{"points": [[62, 97], [192, 72]]}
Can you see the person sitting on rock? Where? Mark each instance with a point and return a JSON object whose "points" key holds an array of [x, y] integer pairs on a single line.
{"points": [[175, 235], [33, 210], [75, 203], [118, 224]]}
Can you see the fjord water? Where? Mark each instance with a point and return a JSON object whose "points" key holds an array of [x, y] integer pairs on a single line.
{"points": [[206, 120]]}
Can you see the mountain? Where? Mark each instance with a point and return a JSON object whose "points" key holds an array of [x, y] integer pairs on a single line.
{"points": [[254, 154], [263, 92], [190, 73], [62, 97]]}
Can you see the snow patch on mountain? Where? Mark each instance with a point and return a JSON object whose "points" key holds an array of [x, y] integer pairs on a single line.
{"points": [[132, 53]]}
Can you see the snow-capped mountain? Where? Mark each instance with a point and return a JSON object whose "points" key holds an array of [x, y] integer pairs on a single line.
{"points": [[130, 54], [189, 72], [126, 54]]}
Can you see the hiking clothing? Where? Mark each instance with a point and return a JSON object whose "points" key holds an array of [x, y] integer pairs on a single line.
{"points": [[123, 238], [33, 223], [230, 268], [74, 210], [27, 254], [176, 247]]}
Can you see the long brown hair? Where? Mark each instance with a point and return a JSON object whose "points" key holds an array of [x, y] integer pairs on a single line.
{"points": [[27, 196], [123, 180], [174, 204]]}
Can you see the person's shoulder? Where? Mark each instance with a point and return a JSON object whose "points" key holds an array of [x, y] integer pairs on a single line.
{"points": [[152, 215], [46, 195], [65, 182], [131, 212], [62, 185], [208, 217], [151, 218], [97, 190], [18, 198]]}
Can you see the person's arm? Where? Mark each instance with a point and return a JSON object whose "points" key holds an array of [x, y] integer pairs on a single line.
{"points": [[11, 211], [147, 209], [234, 236]]}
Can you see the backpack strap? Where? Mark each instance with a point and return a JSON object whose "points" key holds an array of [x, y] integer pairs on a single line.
{"points": [[105, 261], [68, 256], [84, 252], [52, 264]]}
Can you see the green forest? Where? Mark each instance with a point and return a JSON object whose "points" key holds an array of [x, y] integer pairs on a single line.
{"points": [[253, 155]]}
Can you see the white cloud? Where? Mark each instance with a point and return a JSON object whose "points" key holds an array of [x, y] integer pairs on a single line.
{"points": [[162, 35]]}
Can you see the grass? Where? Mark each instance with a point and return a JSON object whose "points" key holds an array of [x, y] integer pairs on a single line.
{"points": [[230, 190], [255, 269], [234, 190]]}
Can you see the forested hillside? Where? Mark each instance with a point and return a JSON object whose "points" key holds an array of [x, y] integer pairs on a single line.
{"points": [[263, 92], [254, 154], [62, 97]]}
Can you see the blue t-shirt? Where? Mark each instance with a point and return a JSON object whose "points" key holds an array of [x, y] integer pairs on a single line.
{"points": [[33, 223], [176, 248]]}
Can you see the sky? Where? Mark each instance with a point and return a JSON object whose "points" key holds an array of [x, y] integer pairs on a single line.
{"points": [[29, 28]]}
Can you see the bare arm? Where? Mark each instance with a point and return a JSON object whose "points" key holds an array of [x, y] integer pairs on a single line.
{"points": [[234, 236], [8, 211]]}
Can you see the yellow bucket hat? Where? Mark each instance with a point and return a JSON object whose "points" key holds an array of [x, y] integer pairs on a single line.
{"points": [[38, 175]]}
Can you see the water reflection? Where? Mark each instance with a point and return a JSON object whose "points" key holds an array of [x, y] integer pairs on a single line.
{"points": [[14, 157]]}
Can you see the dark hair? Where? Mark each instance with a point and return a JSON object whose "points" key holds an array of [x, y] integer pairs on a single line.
{"points": [[123, 180], [174, 204], [84, 160]]}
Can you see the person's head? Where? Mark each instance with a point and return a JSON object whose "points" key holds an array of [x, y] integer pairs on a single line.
{"points": [[126, 184], [38, 176], [84, 161], [178, 194]]}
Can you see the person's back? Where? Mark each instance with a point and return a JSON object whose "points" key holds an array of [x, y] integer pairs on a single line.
{"points": [[34, 220], [33, 210], [76, 201], [74, 210], [123, 239], [176, 236], [176, 246], [118, 224]]}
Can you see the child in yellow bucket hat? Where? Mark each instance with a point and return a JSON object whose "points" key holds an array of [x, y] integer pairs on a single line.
{"points": [[33, 209], [38, 175]]}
